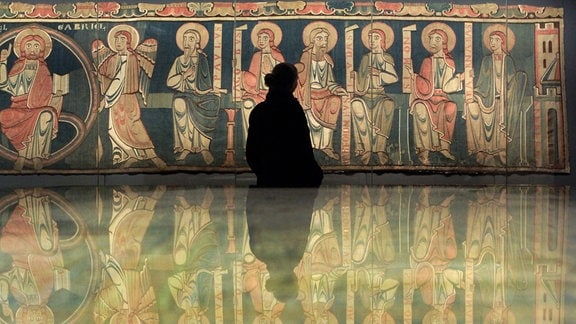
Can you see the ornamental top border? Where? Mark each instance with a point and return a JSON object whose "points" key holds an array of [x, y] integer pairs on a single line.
{"points": [[113, 10]]}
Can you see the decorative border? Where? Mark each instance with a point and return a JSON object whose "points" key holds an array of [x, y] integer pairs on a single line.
{"points": [[17, 10]]}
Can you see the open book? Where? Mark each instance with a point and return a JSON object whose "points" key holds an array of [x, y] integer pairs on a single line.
{"points": [[60, 83]]}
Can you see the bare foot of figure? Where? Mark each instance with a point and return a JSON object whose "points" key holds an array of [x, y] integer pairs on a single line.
{"points": [[502, 157], [129, 162], [207, 156], [19, 163], [37, 163], [366, 157], [159, 163], [423, 157], [448, 155], [383, 158], [331, 154], [182, 156]]}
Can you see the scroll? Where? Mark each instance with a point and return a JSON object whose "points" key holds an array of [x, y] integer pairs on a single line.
{"points": [[407, 57], [217, 74], [468, 63], [349, 40], [345, 146], [238, 62]]}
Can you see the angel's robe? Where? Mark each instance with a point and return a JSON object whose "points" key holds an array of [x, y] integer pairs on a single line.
{"points": [[121, 79]]}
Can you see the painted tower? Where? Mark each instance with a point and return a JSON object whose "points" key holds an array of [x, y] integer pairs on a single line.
{"points": [[549, 122]]}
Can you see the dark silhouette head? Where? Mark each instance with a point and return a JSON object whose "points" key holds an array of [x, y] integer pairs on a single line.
{"points": [[283, 77]]}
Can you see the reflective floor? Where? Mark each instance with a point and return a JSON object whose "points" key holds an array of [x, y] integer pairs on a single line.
{"points": [[236, 254]]}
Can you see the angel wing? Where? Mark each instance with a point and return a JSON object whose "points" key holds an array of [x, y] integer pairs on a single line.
{"points": [[146, 54], [100, 52]]}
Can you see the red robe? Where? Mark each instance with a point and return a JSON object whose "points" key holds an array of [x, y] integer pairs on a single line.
{"points": [[441, 110], [19, 120]]}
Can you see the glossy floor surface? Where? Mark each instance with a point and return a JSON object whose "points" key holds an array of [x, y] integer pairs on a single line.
{"points": [[339, 254]]}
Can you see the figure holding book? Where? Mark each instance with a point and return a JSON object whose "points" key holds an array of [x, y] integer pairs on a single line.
{"points": [[31, 121]]}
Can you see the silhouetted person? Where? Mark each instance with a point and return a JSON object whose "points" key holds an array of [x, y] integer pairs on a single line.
{"points": [[278, 147]]}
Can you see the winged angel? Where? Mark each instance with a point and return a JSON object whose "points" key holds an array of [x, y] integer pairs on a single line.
{"points": [[124, 70]]}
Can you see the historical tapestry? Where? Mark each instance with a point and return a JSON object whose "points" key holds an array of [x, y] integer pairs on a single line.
{"points": [[111, 88]]}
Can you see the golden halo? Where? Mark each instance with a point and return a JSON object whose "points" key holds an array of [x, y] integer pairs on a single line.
{"points": [[204, 36], [333, 35], [34, 30], [128, 28], [381, 26], [510, 37], [442, 26], [268, 25]]}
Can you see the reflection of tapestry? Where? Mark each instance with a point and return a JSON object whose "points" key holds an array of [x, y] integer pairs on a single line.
{"points": [[118, 88]]}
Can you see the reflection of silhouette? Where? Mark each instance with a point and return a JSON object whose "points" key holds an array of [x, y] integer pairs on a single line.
{"points": [[278, 225], [403, 251], [278, 148]]}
